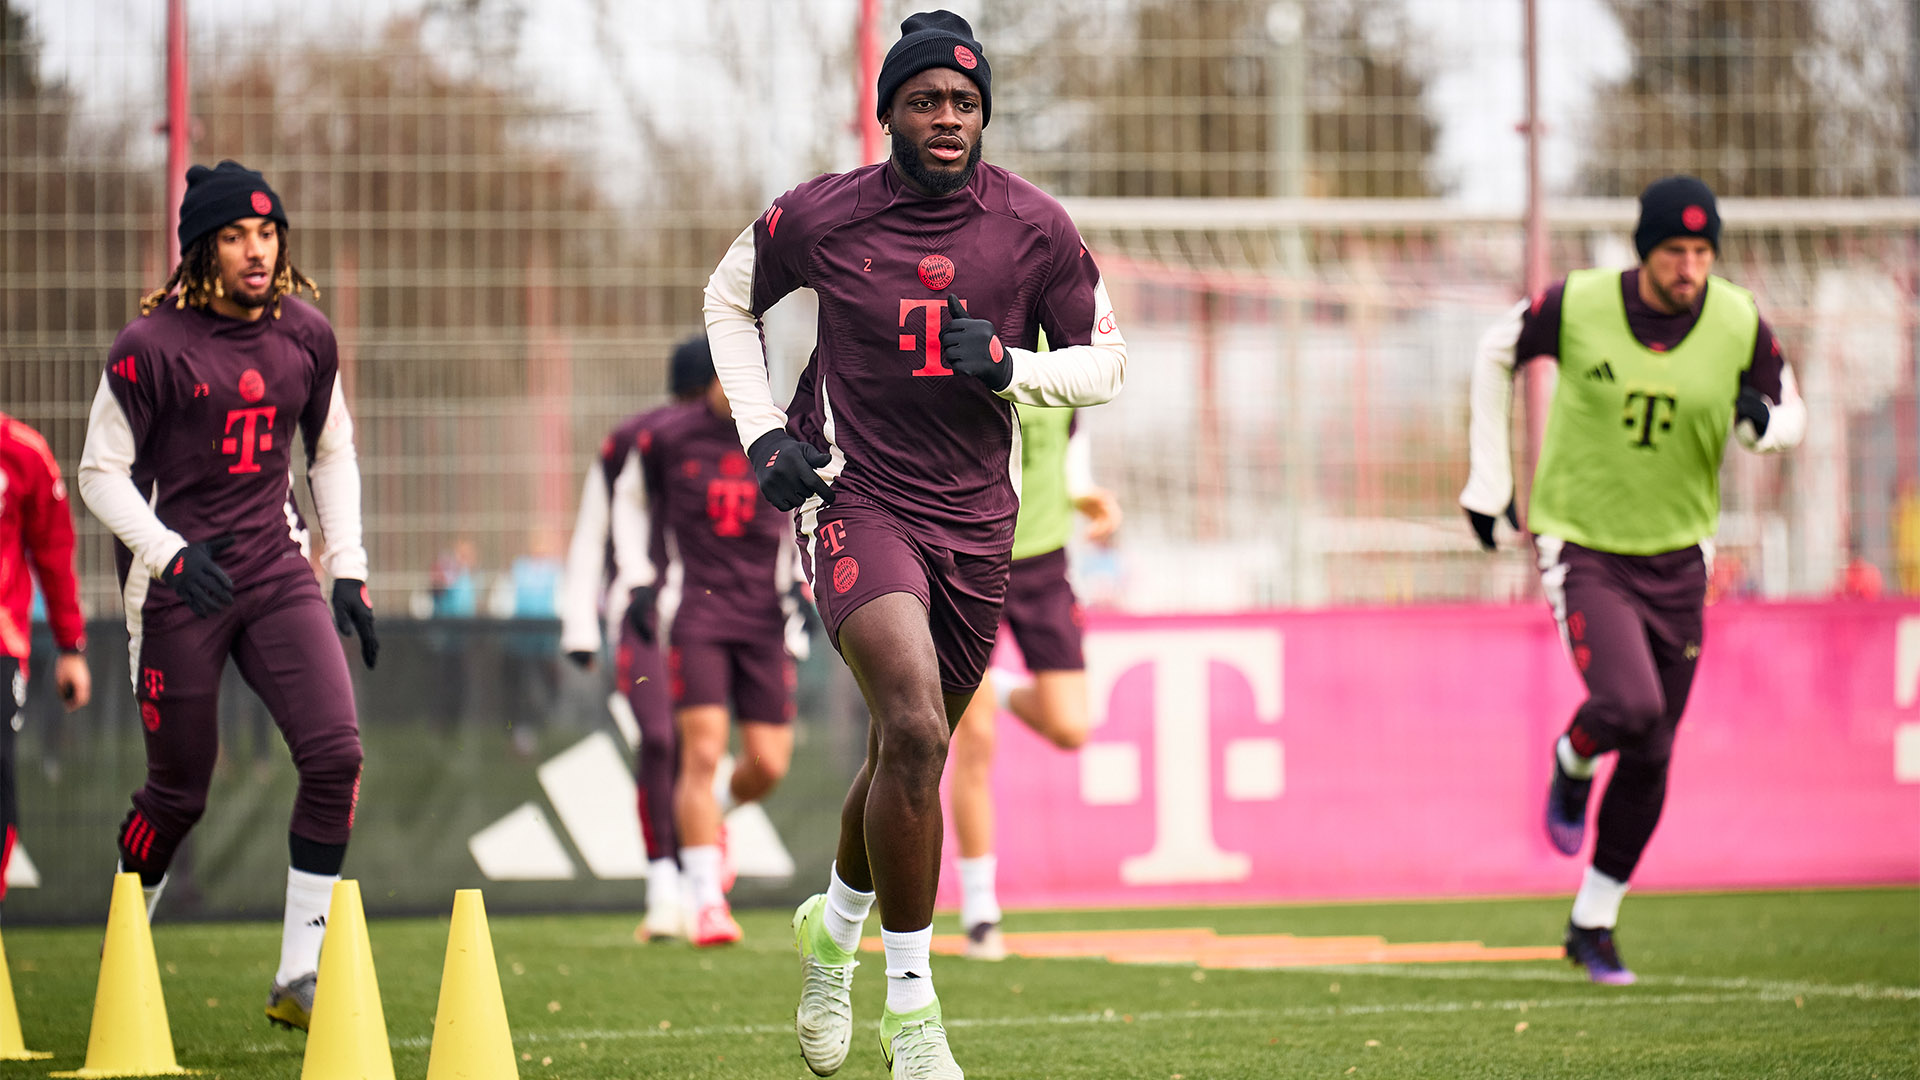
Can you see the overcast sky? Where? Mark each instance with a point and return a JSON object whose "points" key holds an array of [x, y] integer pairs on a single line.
{"points": [[111, 51]]}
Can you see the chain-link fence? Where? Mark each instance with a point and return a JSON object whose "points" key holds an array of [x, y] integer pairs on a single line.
{"points": [[511, 209]]}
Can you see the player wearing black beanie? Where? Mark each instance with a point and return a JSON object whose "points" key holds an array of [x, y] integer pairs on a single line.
{"points": [[1658, 364], [938, 276], [935, 97], [935, 39], [190, 447], [224, 195], [1676, 206]]}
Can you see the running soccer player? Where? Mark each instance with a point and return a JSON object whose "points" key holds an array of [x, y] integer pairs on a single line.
{"points": [[1056, 479], [36, 540], [935, 274], [187, 461], [1656, 364], [727, 638], [611, 573]]}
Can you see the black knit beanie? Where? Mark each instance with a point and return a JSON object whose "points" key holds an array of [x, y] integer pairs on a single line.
{"points": [[935, 39], [227, 192], [1676, 206], [691, 369]]}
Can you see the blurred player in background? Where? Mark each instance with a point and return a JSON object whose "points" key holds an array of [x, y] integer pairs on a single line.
{"points": [[612, 574], [1056, 479], [901, 447], [727, 637], [1655, 365], [187, 461], [36, 541]]}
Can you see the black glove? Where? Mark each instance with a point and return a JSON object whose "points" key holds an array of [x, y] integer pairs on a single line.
{"points": [[970, 347], [353, 614], [1752, 407], [198, 579], [640, 611], [581, 658], [785, 468], [1483, 524]]}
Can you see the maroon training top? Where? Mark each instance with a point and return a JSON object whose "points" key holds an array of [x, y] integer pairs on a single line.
{"points": [[213, 403], [729, 540], [929, 446]]}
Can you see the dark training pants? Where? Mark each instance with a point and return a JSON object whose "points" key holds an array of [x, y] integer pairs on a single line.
{"points": [[642, 680], [13, 698], [1634, 625], [281, 636]]}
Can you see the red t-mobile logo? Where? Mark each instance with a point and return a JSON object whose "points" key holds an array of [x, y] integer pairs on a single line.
{"points": [[730, 504], [833, 535], [930, 328], [253, 436]]}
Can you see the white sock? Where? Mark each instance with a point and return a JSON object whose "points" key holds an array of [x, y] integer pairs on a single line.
{"points": [[846, 912], [978, 903], [909, 973], [1597, 904], [723, 788], [151, 893], [702, 867], [1003, 687], [1580, 768], [308, 898], [663, 884]]}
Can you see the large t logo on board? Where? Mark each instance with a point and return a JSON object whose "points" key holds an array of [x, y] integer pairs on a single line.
{"points": [[1182, 754]]}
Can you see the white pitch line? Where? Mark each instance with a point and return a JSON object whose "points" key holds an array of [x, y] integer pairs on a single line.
{"points": [[1110, 1016], [1707, 982]]}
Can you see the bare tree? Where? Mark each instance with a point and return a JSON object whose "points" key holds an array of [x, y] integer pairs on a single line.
{"points": [[1784, 98], [1191, 98]]}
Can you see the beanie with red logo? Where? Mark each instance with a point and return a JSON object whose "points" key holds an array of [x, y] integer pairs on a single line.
{"points": [[225, 193], [934, 39], [1676, 206]]}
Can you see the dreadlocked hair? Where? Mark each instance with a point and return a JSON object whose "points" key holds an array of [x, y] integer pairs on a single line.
{"points": [[196, 280]]}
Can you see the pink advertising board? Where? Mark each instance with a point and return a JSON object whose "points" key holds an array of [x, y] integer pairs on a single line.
{"points": [[1404, 752]]}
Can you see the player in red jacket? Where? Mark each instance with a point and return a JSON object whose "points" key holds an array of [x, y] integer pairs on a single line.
{"points": [[36, 533]]}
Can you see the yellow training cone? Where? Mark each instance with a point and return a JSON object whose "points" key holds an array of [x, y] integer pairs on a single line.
{"points": [[348, 1036], [470, 1036], [130, 1035], [13, 1045]]}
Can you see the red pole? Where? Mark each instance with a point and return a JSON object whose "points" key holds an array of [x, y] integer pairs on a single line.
{"points": [[1539, 377], [869, 48], [178, 126], [1536, 207]]}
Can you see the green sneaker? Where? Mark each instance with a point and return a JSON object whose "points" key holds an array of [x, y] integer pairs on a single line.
{"points": [[824, 1020], [915, 1045], [291, 1006]]}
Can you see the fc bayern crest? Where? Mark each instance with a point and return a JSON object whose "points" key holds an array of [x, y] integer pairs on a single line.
{"points": [[252, 386], [936, 272]]}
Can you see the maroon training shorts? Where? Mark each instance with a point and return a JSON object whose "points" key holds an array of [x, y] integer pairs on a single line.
{"points": [[1043, 613], [758, 677], [859, 552]]}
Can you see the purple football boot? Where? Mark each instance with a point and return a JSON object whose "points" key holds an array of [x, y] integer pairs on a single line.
{"points": [[1594, 950], [1567, 810]]}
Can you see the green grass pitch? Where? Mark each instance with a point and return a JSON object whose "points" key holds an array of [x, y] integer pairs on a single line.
{"points": [[1779, 984]]}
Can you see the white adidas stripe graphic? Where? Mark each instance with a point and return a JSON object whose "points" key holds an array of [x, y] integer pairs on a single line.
{"points": [[591, 789]]}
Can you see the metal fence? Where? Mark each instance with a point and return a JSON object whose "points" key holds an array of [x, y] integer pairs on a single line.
{"points": [[511, 209]]}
